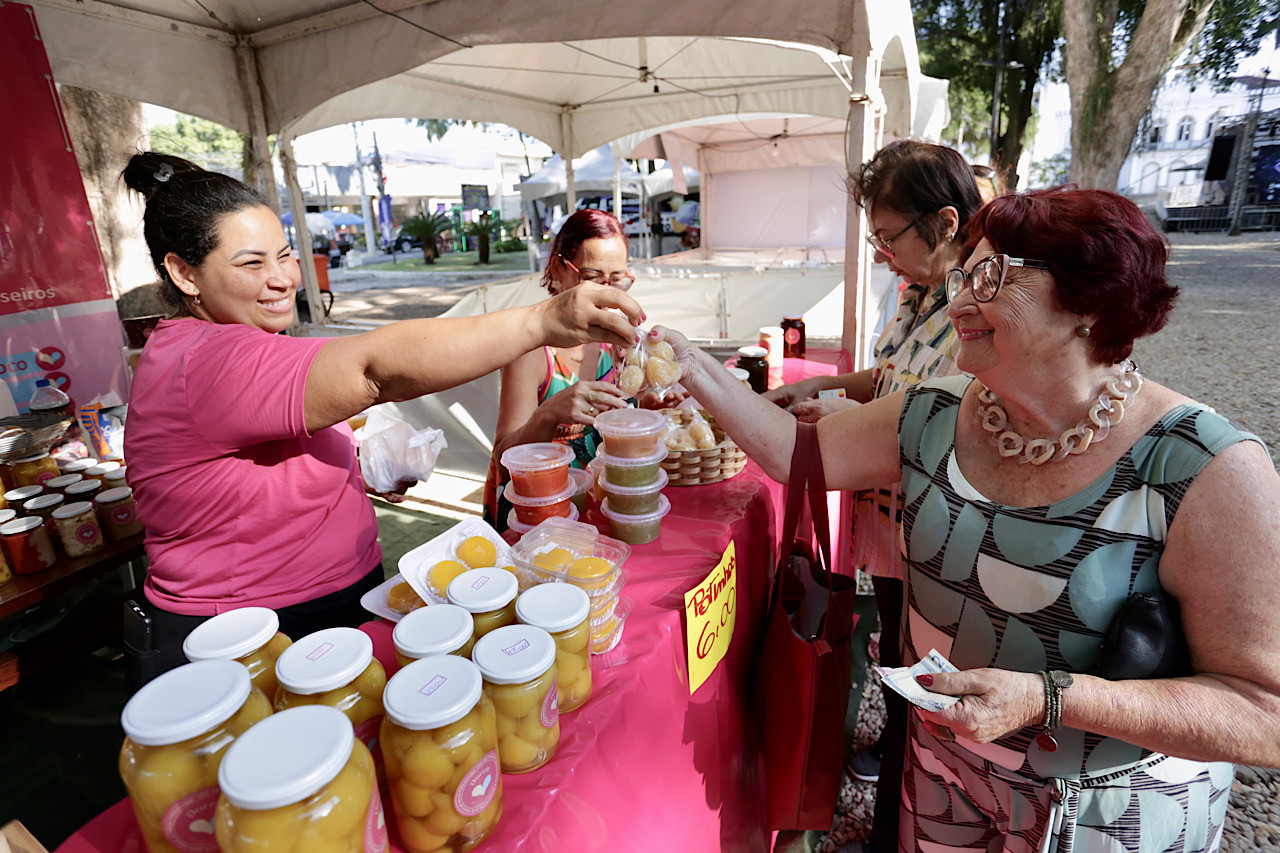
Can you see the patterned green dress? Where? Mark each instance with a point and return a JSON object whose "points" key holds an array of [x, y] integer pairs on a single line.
{"points": [[1035, 588]]}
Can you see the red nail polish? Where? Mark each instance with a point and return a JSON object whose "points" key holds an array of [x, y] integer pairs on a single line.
{"points": [[925, 680], [637, 339], [644, 317]]}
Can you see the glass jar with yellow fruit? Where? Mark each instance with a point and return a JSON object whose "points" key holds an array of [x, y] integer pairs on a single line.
{"points": [[300, 781], [177, 730], [249, 635], [488, 595], [441, 629], [518, 663], [440, 750], [334, 667], [563, 612]]}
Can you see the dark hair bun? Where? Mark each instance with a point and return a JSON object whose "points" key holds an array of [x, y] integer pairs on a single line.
{"points": [[148, 170]]}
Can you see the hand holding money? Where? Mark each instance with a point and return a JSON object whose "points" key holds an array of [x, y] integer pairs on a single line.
{"points": [[902, 680]]}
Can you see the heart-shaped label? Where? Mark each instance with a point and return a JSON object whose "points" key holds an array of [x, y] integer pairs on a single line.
{"points": [[479, 790], [201, 826], [478, 786], [188, 823]]}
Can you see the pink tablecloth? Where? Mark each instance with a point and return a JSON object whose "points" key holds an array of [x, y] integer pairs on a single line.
{"points": [[642, 766]]}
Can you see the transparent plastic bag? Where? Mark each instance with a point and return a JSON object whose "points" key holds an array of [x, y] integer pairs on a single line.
{"points": [[651, 364], [392, 452]]}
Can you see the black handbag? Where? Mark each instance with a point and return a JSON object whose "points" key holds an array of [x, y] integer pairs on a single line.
{"points": [[1144, 640]]}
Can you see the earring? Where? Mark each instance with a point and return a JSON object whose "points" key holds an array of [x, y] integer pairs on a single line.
{"points": [[950, 236], [1082, 331], [196, 299]]}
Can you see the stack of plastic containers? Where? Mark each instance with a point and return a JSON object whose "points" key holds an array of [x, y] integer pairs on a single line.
{"points": [[540, 486], [563, 551], [632, 479]]}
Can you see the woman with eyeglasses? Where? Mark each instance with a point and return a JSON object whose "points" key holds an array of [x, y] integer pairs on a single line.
{"points": [[919, 199], [1039, 493], [555, 393]]}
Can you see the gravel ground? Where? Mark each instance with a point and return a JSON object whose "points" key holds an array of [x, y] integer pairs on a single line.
{"points": [[1221, 347]]}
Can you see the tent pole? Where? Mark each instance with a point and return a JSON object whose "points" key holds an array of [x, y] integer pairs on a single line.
{"points": [[865, 116], [251, 89], [299, 208], [566, 153], [617, 187], [704, 195]]}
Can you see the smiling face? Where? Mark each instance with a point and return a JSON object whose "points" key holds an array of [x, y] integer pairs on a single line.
{"points": [[250, 278], [1022, 326], [912, 258]]}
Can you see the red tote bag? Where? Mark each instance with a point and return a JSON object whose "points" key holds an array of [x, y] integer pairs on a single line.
{"points": [[802, 688]]}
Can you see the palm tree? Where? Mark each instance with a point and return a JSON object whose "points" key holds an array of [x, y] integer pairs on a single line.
{"points": [[426, 228], [482, 228]]}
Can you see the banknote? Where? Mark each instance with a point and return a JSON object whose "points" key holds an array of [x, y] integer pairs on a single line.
{"points": [[902, 680]]}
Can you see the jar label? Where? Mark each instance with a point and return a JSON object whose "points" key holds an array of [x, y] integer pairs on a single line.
{"points": [[122, 515], [478, 787], [188, 823], [793, 336], [44, 477], [551, 706], [367, 731], [375, 825], [87, 533]]}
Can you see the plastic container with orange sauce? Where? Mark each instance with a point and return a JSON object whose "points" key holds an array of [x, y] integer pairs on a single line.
{"points": [[630, 433], [533, 510], [538, 470]]}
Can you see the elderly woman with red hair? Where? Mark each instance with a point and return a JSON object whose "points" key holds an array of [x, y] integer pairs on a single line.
{"points": [[1040, 492]]}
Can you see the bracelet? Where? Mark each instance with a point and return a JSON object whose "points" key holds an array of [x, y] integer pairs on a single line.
{"points": [[1055, 681]]}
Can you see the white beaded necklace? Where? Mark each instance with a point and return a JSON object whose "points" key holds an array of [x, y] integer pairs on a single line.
{"points": [[1108, 411]]}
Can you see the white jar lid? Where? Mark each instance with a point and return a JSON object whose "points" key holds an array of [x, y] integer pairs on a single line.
{"points": [[514, 654], [739, 373], [112, 495], [553, 606], [7, 515], [437, 629], [81, 487], [42, 502], [483, 590], [325, 660], [63, 481], [21, 525], [22, 493], [99, 470], [71, 510], [432, 692], [113, 476], [77, 465], [753, 352], [286, 758], [186, 702], [793, 316], [231, 635]]}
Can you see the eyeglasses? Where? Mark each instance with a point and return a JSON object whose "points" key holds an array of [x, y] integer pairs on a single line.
{"points": [[885, 247], [621, 280], [987, 276]]}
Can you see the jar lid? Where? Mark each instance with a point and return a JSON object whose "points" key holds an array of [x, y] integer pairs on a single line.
{"points": [[286, 758], [437, 629], [752, 352], [22, 493], [539, 456], [325, 660], [63, 481], [116, 476], [520, 527], [82, 487], [514, 654], [633, 461], [517, 498], [77, 465], [71, 510], [793, 316], [664, 507], [232, 634], [483, 590], [112, 495], [656, 486], [553, 606], [739, 373], [21, 525], [432, 692], [185, 702], [35, 458], [630, 422], [42, 502], [7, 515], [99, 470]]}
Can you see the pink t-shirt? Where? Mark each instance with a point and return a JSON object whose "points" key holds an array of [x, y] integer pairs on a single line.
{"points": [[241, 505]]}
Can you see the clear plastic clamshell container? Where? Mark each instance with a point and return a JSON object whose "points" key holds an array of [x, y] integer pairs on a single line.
{"points": [[562, 551], [433, 565]]}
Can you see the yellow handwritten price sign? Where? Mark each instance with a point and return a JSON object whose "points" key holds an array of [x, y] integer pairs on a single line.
{"points": [[710, 609]]}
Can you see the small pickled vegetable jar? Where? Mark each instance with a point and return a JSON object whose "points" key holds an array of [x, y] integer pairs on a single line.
{"points": [[77, 466], [177, 728], [57, 484], [300, 780], [115, 479], [793, 343], [440, 750], [43, 506], [249, 635], [441, 629], [99, 472], [564, 612], [488, 595], [334, 667], [518, 663], [15, 498], [33, 470], [753, 360], [83, 490], [78, 529], [27, 545], [118, 513]]}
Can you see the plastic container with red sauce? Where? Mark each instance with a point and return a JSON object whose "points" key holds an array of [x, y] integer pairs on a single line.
{"points": [[27, 545], [521, 528], [540, 469], [531, 510], [118, 513], [630, 433]]}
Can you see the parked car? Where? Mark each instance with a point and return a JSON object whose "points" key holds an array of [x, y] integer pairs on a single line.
{"points": [[632, 224], [401, 242]]}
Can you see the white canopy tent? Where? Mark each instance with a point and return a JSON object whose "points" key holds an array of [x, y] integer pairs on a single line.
{"points": [[593, 172]]}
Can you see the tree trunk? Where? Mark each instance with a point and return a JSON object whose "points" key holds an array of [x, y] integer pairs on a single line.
{"points": [[484, 248], [1108, 104], [429, 251], [1014, 137]]}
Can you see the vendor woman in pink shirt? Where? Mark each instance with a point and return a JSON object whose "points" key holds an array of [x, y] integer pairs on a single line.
{"points": [[243, 467]]}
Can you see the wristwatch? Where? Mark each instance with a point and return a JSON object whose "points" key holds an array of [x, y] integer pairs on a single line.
{"points": [[1055, 681]]}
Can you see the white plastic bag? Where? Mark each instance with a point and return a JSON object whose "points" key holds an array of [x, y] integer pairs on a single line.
{"points": [[391, 452]]}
